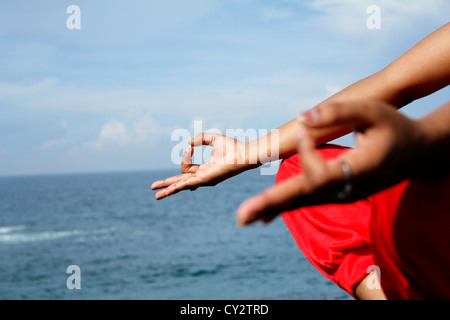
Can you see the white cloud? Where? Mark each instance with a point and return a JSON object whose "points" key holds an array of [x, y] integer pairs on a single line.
{"points": [[146, 131], [113, 133], [271, 13], [53, 144], [142, 131]]}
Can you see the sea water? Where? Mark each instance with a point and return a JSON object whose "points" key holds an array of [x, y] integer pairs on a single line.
{"points": [[127, 245]]}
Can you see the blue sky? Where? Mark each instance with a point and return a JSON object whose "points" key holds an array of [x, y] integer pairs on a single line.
{"points": [[108, 96]]}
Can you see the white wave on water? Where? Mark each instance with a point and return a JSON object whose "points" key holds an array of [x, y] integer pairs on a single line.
{"points": [[4, 230], [9, 236]]}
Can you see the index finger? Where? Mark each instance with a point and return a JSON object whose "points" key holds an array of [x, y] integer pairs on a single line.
{"points": [[349, 114], [275, 200], [203, 139], [167, 182]]}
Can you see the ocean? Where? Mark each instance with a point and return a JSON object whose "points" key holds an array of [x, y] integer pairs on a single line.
{"points": [[126, 245]]}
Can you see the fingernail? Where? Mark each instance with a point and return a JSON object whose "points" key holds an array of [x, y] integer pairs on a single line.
{"points": [[311, 116], [301, 119], [240, 219], [240, 224]]}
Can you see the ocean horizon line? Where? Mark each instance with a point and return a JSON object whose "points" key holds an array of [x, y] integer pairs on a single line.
{"points": [[80, 173]]}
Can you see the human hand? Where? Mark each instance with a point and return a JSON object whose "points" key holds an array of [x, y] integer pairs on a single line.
{"points": [[228, 159], [388, 145]]}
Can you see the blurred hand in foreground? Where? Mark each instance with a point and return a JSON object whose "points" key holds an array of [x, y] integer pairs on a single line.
{"points": [[389, 148]]}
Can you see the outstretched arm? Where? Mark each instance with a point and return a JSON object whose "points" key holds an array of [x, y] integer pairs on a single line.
{"points": [[422, 70]]}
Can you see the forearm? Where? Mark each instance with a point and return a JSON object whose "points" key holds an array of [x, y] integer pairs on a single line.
{"points": [[422, 70], [283, 141]]}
